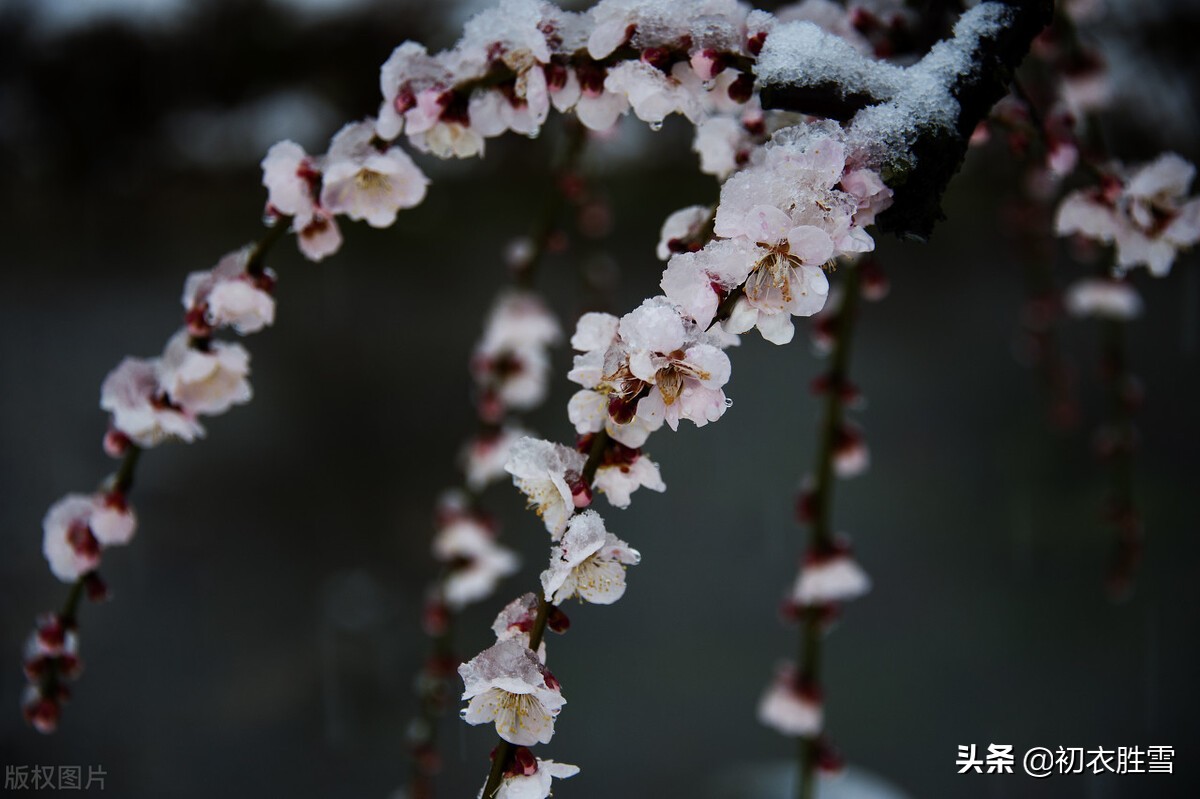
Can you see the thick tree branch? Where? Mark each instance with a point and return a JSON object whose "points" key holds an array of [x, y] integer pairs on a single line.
{"points": [[914, 122]]}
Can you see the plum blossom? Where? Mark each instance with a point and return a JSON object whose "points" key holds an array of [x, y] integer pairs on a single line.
{"points": [[686, 367], [551, 477], [529, 777], [790, 705], [850, 454], [517, 619], [1103, 298], [832, 576], [709, 24], [205, 381], [476, 561], [582, 89], [654, 95], [78, 526], [1145, 213], [484, 456], [682, 231], [368, 180], [508, 685], [140, 407], [511, 365], [622, 471], [291, 178], [589, 562], [226, 296]]}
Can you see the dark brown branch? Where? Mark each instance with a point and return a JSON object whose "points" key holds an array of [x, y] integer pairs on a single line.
{"points": [[937, 151]]}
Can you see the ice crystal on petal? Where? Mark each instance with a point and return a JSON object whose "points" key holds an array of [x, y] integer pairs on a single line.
{"points": [[508, 685], [545, 472], [589, 562]]}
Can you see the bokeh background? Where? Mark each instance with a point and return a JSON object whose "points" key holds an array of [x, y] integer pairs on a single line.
{"points": [[263, 636]]}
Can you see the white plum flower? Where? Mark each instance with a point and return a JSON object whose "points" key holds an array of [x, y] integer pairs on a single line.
{"points": [[698, 282], [508, 685], [529, 777], [477, 562], [519, 319], [790, 707], [516, 619], [827, 577], [686, 369], [369, 181], [291, 177], [592, 411], [511, 364], [851, 457], [654, 95], [205, 381], [589, 562], [483, 457], [78, 526], [1145, 213], [141, 408], [682, 230], [227, 296], [1103, 298], [622, 471], [551, 477]]}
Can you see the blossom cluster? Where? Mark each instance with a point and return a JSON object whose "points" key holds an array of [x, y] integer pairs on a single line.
{"points": [[361, 177], [517, 61], [151, 400]]}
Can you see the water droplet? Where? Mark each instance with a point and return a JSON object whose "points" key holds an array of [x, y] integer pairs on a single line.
{"points": [[656, 126]]}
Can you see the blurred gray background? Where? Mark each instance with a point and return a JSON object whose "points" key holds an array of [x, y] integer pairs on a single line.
{"points": [[263, 634]]}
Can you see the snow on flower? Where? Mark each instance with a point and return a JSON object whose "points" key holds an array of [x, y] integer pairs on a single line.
{"points": [[589, 562], [551, 477], [1103, 298], [827, 577], [686, 367], [708, 24], [791, 706], [581, 89], [78, 526], [1144, 212], [140, 407], [226, 296], [529, 777], [291, 178], [655, 95], [508, 685], [205, 381], [366, 179]]}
